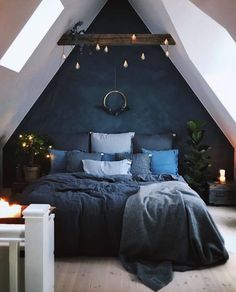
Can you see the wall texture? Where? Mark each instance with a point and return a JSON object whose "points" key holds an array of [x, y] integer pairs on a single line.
{"points": [[159, 99]]}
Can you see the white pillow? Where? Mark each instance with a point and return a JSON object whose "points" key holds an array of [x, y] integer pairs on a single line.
{"points": [[112, 143], [103, 168]]}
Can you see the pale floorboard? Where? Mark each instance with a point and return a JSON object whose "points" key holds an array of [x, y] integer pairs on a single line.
{"points": [[107, 274]]}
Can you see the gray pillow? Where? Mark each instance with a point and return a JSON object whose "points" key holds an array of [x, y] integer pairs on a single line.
{"points": [[152, 142], [74, 159], [112, 143], [141, 162], [104, 168]]}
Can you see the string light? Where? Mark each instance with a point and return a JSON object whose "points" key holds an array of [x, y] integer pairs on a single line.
{"points": [[98, 47], [77, 65], [125, 65], [133, 37], [106, 49], [143, 57]]}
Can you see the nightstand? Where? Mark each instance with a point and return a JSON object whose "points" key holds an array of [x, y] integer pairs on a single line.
{"points": [[222, 194]]}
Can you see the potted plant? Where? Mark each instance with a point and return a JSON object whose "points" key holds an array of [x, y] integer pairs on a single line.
{"points": [[197, 160], [32, 149]]}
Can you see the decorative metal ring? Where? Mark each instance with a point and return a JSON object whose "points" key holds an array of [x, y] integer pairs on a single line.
{"points": [[116, 111]]}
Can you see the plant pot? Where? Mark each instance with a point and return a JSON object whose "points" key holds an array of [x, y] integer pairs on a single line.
{"points": [[31, 172]]}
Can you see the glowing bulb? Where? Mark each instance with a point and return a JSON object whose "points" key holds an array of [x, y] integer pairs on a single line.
{"points": [[30, 137], [50, 147], [77, 66], [133, 37], [24, 144], [63, 56], [143, 57], [20, 136], [48, 155], [125, 65], [166, 42], [98, 47], [167, 54], [106, 49]]}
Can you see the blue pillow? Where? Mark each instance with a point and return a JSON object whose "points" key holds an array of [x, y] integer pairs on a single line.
{"points": [[108, 157], [57, 160], [163, 161]]}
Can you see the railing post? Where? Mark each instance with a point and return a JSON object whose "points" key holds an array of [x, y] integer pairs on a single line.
{"points": [[39, 248]]}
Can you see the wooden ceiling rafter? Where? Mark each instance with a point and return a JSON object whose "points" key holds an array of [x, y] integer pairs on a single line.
{"points": [[114, 39]]}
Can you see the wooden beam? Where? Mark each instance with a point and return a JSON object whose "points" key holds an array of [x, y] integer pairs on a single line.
{"points": [[114, 39]]}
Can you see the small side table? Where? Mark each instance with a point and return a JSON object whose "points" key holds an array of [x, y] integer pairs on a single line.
{"points": [[222, 194]]}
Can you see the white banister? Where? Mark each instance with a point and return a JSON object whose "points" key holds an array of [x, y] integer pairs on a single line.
{"points": [[39, 257], [37, 234]]}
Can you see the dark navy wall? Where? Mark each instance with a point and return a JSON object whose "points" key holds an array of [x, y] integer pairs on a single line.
{"points": [[160, 100]]}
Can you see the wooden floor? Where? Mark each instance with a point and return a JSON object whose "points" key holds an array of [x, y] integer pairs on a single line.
{"points": [[107, 274]]}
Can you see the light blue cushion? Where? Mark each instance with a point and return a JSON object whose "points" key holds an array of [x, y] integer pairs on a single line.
{"points": [[112, 143], [163, 161], [58, 160]]}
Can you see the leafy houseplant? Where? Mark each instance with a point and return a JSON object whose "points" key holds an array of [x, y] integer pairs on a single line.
{"points": [[32, 149], [197, 161]]}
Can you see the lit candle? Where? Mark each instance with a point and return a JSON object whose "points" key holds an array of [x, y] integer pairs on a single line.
{"points": [[7, 210], [133, 37], [222, 178]]}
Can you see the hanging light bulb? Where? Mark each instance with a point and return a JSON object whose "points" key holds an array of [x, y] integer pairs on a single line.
{"points": [[133, 37], [166, 42], [98, 47], [125, 65], [106, 49], [63, 56], [77, 66], [143, 56]]}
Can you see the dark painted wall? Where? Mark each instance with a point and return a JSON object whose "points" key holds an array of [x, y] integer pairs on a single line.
{"points": [[160, 100]]}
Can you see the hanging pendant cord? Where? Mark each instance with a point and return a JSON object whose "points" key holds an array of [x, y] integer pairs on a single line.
{"points": [[115, 76]]}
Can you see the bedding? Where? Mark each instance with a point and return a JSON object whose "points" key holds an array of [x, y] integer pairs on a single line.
{"points": [[135, 217]]}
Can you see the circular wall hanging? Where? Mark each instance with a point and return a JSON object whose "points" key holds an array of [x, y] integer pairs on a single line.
{"points": [[115, 111]]}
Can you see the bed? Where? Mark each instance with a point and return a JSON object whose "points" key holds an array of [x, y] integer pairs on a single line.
{"points": [[130, 216]]}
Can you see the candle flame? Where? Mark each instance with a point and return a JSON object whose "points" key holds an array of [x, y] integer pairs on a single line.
{"points": [[7, 210]]}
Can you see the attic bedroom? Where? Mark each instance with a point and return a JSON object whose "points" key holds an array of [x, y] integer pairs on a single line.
{"points": [[117, 138]]}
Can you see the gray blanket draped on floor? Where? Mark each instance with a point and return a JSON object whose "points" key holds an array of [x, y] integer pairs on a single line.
{"points": [[166, 227]]}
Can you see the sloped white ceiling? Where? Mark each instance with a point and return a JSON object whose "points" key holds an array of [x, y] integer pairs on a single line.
{"points": [[205, 54], [223, 11], [19, 91]]}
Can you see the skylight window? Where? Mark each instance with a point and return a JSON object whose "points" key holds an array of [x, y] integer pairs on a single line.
{"points": [[31, 34]]}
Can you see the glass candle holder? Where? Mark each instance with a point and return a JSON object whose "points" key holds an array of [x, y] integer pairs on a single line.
{"points": [[222, 178]]}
